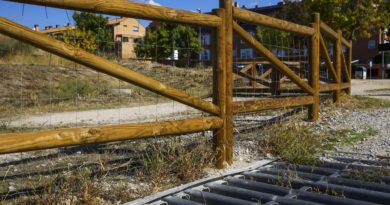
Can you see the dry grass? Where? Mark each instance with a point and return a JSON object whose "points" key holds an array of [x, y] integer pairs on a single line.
{"points": [[37, 89], [293, 142], [362, 102], [298, 142], [109, 177], [383, 90], [373, 175]]}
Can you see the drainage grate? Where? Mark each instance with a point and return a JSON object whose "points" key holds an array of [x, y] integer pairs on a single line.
{"points": [[287, 184]]}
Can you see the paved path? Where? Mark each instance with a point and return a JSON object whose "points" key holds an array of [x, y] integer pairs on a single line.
{"points": [[362, 87]]}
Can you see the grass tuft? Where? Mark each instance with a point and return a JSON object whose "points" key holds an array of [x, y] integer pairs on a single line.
{"points": [[363, 102], [171, 161], [294, 143]]}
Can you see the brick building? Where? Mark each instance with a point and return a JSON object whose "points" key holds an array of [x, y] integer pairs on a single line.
{"points": [[241, 50], [365, 50]]}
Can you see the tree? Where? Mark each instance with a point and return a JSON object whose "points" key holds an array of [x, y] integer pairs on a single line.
{"points": [[167, 37], [81, 39], [269, 36], [355, 18], [94, 27]]}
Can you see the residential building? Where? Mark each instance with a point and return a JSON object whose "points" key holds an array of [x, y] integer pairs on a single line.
{"points": [[241, 50], [125, 32], [365, 50]]}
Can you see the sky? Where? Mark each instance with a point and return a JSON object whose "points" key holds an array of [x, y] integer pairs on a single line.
{"points": [[30, 15]]}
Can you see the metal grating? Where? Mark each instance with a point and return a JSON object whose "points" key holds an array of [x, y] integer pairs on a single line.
{"points": [[287, 184]]}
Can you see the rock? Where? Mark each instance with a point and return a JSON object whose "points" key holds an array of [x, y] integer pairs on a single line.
{"points": [[11, 189]]}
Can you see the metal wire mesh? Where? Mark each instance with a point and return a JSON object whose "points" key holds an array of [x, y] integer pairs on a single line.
{"points": [[41, 91], [255, 78]]}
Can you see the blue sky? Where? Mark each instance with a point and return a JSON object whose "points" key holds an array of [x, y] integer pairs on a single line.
{"points": [[44, 17]]}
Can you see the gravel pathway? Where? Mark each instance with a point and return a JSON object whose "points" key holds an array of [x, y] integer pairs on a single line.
{"points": [[372, 147]]}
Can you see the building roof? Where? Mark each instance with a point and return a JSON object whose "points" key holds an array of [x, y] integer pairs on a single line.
{"points": [[57, 29], [64, 28], [122, 19]]}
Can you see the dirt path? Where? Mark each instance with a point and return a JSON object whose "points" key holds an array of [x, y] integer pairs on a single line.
{"points": [[159, 111], [106, 116]]}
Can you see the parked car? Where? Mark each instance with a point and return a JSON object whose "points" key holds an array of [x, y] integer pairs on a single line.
{"points": [[359, 72]]}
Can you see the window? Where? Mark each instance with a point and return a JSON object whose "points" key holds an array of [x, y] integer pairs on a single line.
{"points": [[246, 53], [371, 44], [234, 53], [135, 28], [125, 39], [205, 39], [206, 54]]}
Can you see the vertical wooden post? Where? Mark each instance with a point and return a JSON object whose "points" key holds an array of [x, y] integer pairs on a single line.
{"points": [[314, 78], [253, 73], [349, 64], [337, 61], [219, 88], [228, 20], [275, 82]]}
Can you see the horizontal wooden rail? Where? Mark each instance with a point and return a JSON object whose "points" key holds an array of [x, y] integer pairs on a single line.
{"points": [[328, 62], [273, 59], [328, 87], [260, 105], [328, 31], [131, 9], [260, 19], [324, 88], [346, 43], [22, 142], [333, 34], [255, 79], [82, 57]]}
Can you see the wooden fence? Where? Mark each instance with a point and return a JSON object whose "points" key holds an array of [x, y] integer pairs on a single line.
{"points": [[222, 108]]}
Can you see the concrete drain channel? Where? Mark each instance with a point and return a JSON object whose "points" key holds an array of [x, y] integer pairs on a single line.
{"points": [[279, 183]]}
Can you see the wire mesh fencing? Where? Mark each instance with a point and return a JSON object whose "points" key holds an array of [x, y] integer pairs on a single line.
{"points": [[255, 78], [41, 91]]}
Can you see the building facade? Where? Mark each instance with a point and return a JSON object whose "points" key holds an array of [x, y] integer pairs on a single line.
{"points": [[125, 32], [364, 50], [241, 50], [367, 50]]}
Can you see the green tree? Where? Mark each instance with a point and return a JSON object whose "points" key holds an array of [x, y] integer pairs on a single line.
{"points": [[95, 28], [355, 18], [161, 42], [269, 36], [81, 39]]}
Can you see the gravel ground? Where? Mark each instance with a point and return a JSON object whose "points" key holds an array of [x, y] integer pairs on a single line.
{"points": [[371, 148]]}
